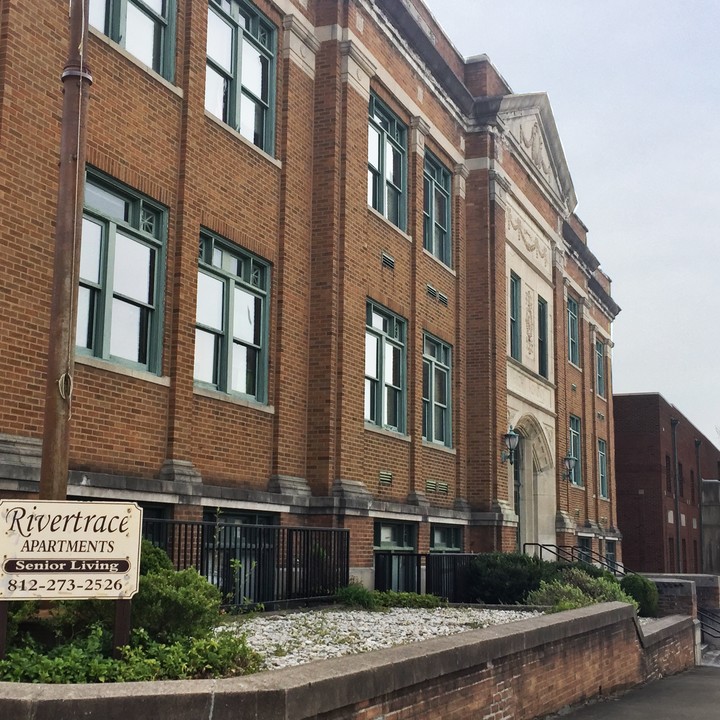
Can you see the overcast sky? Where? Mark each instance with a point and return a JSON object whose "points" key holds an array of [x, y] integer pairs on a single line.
{"points": [[635, 91]]}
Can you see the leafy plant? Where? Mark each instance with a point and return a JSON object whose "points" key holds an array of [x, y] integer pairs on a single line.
{"points": [[505, 578], [559, 596], [153, 559], [644, 591], [356, 595]]}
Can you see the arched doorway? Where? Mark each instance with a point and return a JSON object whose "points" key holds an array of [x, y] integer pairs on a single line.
{"points": [[534, 491]]}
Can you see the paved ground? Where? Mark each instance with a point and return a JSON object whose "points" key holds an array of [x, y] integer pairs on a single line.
{"points": [[693, 695]]}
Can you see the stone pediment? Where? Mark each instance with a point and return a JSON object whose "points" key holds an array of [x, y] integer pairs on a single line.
{"points": [[530, 125]]}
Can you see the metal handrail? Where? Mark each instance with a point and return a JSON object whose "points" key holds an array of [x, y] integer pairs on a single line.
{"points": [[709, 624]]}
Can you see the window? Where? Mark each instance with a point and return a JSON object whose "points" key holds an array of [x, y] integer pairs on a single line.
{"points": [[611, 554], [436, 392], [436, 210], [681, 480], [232, 319], [575, 450], [120, 294], [240, 71], [395, 536], [542, 338], [585, 549], [573, 332], [600, 368], [384, 368], [145, 28], [445, 538], [602, 468], [387, 163], [515, 339]]}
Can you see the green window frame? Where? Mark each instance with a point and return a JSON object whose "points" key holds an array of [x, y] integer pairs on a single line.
{"points": [[120, 293], [385, 373], [231, 321], [576, 450], [387, 163], [600, 368], [542, 337], [573, 332], [145, 28], [602, 468], [240, 70], [437, 236], [394, 536], [446, 538], [437, 391], [515, 319]]}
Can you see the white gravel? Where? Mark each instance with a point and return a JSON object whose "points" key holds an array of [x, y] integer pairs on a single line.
{"points": [[297, 638]]}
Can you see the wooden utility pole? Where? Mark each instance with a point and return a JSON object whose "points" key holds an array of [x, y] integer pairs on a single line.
{"points": [[76, 80]]}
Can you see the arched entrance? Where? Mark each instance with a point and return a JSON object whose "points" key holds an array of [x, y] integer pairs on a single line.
{"points": [[533, 478]]}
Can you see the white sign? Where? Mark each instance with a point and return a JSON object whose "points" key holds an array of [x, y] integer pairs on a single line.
{"points": [[58, 550]]}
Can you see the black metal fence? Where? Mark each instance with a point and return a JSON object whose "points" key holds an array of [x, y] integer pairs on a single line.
{"points": [[258, 564], [445, 573]]}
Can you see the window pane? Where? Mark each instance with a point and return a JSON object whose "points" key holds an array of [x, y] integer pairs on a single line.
{"points": [[246, 321], [84, 327], [439, 428], [440, 209], [371, 355], [210, 301], [426, 381], [392, 207], [251, 121], [370, 400], [255, 69], [426, 420], [392, 398], [440, 386], [128, 336], [373, 147], [96, 16], [90, 251], [109, 204], [219, 41], [379, 321], [244, 369], [140, 35], [156, 5], [132, 274], [393, 165], [393, 357], [205, 356], [215, 93]]}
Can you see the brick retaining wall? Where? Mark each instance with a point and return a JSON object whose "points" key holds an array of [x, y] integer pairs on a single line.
{"points": [[514, 672]]}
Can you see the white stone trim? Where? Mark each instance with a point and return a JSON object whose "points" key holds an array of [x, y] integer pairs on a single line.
{"points": [[300, 44]]}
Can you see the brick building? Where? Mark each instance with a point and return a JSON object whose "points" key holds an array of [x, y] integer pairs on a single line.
{"points": [[326, 264], [662, 461]]}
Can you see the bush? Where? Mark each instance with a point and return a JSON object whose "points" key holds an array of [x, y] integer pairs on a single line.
{"points": [[644, 592], [357, 595], [86, 660], [598, 589], [505, 578], [559, 596], [171, 605], [153, 559]]}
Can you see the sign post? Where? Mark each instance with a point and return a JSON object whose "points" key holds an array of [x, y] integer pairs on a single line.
{"points": [[62, 550]]}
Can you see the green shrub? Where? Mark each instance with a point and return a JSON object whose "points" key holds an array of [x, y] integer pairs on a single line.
{"points": [[644, 592], [172, 605], [559, 596], [505, 578], [86, 660], [599, 588], [356, 595], [153, 559]]}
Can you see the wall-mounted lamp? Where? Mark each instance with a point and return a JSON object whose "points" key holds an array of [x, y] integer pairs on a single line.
{"points": [[511, 439], [569, 465]]}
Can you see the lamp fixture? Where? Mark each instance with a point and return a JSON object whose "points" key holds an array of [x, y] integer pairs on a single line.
{"points": [[511, 439], [569, 465]]}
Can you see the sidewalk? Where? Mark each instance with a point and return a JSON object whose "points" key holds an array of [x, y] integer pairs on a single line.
{"points": [[693, 695]]}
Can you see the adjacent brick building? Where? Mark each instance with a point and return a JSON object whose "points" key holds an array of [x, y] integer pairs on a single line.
{"points": [[662, 462], [326, 264]]}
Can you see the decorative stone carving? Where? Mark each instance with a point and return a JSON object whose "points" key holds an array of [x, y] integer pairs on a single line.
{"points": [[460, 175], [519, 229], [357, 68], [419, 128], [530, 323]]}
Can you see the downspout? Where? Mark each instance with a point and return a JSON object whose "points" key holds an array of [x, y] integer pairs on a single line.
{"points": [[699, 481], [678, 562]]}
